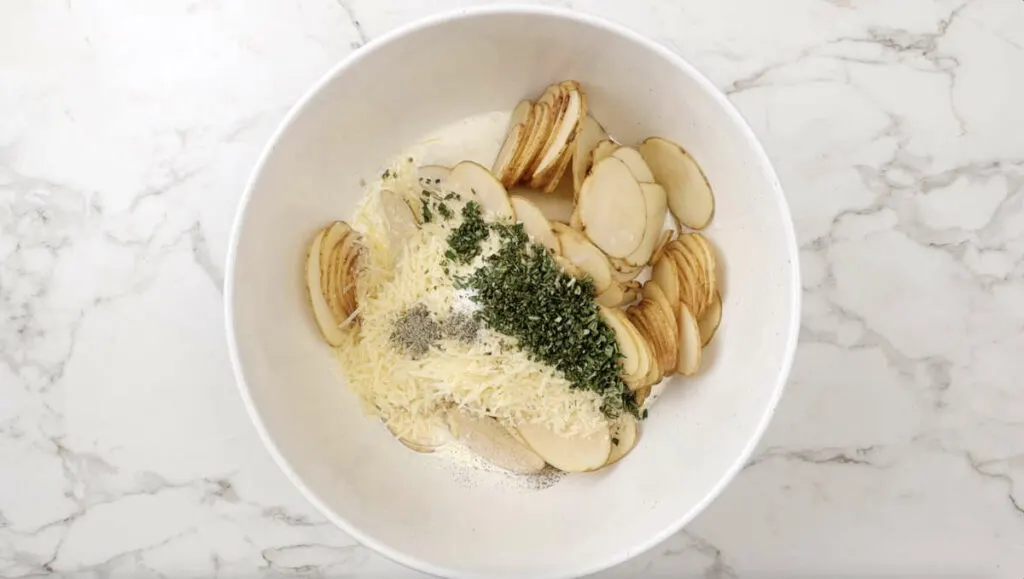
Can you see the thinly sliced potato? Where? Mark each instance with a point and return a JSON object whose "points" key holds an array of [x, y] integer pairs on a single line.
{"points": [[336, 233], [544, 119], [699, 269], [579, 250], [569, 453], [667, 278], [325, 319], [554, 159], [656, 204], [492, 442], [604, 148], [611, 208], [591, 133], [689, 343], [663, 324], [433, 176], [630, 291], [519, 124], [611, 297], [641, 396], [488, 190], [535, 224], [624, 437], [647, 357], [556, 101], [425, 444], [710, 320], [702, 250], [401, 221], [653, 292], [556, 206], [625, 338], [689, 194], [659, 250], [341, 285], [624, 272], [631, 157], [689, 271]]}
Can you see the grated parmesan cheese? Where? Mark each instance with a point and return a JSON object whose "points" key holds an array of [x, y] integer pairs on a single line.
{"points": [[489, 377]]}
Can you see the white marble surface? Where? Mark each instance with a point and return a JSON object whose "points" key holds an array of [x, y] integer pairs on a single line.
{"points": [[127, 130]]}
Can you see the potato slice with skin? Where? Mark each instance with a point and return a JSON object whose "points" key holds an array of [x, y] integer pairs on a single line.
{"points": [[663, 324], [624, 272], [636, 378], [602, 149], [690, 291], [341, 290], [555, 156], [665, 275], [556, 206], [611, 297], [569, 267], [624, 337], [490, 192], [433, 176], [489, 440], [543, 122], [322, 314], [537, 227], [641, 395], [659, 251], [631, 157], [701, 249], [591, 132], [579, 250], [710, 320], [611, 208], [555, 101], [630, 291], [569, 453], [624, 436], [400, 219], [689, 343], [656, 204], [690, 197], [519, 124], [700, 278], [336, 233]]}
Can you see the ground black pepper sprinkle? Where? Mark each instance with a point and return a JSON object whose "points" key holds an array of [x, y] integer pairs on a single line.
{"points": [[461, 327], [416, 331]]}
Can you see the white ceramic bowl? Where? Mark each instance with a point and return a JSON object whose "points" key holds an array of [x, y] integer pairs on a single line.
{"points": [[410, 507]]}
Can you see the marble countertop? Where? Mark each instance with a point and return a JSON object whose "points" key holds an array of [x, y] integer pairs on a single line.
{"points": [[127, 132]]}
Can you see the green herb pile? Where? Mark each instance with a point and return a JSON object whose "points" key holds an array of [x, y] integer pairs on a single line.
{"points": [[523, 293]]}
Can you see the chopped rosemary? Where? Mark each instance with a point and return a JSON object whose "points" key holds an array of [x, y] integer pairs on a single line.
{"points": [[428, 215], [523, 293], [444, 210], [464, 240]]}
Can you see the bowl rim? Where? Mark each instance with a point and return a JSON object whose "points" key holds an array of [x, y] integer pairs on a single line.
{"points": [[612, 558]]}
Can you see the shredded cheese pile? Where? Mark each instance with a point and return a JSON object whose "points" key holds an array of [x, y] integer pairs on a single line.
{"points": [[488, 377]]}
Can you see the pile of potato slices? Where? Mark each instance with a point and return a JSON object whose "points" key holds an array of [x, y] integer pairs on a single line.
{"points": [[332, 270]]}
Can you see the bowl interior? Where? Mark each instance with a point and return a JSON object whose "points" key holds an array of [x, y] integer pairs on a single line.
{"points": [[413, 507]]}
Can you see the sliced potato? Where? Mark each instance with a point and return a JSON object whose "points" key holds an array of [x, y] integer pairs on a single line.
{"points": [[569, 453], [401, 221], [611, 297], [624, 272], [631, 157], [492, 442], [579, 250], [689, 194], [667, 278], [555, 156], [325, 319], [604, 148], [341, 281], [630, 292], [624, 437], [710, 320], [641, 395], [666, 236], [691, 290], [535, 224], [611, 208], [591, 132], [556, 206], [625, 337], [433, 176], [488, 190], [689, 343], [544, 119], [569, 267], [700, 247], [519, 124], [656, 205], [425, 444], [336, 233]]}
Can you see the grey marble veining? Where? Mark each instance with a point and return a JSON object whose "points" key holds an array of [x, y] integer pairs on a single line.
{"points": [[129, 129]]}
